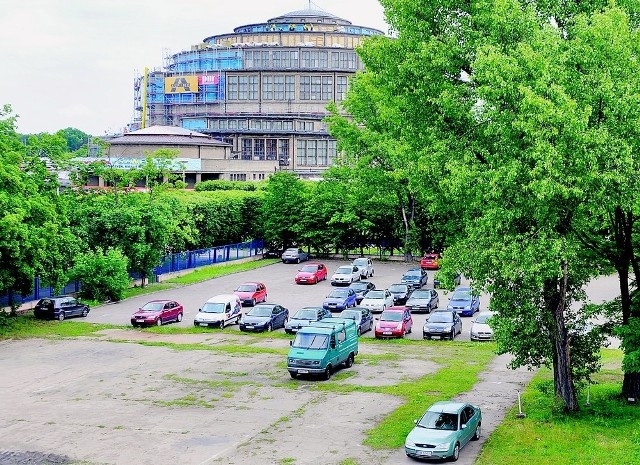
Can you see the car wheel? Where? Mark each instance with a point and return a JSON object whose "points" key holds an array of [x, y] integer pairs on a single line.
{"points": [[61, 316], [253, 302], [428, 337], [269, 328], [85, 312], [327, 373], [456, 453], [297, 260], [315, 281], [179, 317], [221, 324], [359, 331], [349, 362], [409, 332], [293, 375], [453, 333], [372, 272], [476, 435], [159, 321], [134, 325]]}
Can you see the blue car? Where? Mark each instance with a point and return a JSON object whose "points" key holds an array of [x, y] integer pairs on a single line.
{"points": [[264, 317], [362, 316], [464, 302], [339, 299]]}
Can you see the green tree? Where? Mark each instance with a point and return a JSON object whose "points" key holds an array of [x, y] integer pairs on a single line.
{"points": [[34, 237], [282, 209], [75, 138], [103, 274]]}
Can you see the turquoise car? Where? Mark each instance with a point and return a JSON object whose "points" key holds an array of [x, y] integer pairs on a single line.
{"points": [[444, 429]]}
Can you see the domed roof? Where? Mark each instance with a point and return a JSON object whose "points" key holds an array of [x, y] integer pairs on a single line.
{"points": [[308, 14]]}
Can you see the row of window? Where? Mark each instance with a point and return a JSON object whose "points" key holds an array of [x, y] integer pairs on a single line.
{"points": [[316, 152], [283, 88], [259, 124], [265, 149], [307, 59]]}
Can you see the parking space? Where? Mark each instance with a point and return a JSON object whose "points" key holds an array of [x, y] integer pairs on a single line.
{"points": [[279, 279]]}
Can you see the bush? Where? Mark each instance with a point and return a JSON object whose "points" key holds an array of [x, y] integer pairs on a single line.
{"points": [[222, 185], [102, 274]]}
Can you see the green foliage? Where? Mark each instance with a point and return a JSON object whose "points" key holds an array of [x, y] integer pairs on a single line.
{"points": [[75, 138], [630, 342], [282, 208], [103, 274], [221, 185]]}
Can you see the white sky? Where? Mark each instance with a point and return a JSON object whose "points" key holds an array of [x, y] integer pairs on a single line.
{"points": [[71, 63]]}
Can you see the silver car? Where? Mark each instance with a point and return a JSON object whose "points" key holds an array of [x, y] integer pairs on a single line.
{"points": [[365, 265], [345, 275], [480, 329]]}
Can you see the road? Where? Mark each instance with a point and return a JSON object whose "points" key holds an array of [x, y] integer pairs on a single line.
{"points": [[281, 290]]}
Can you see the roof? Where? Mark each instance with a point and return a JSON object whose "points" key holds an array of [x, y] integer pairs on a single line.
{"points": [[165, 135], [446, 406], [222, 298], [308, 14]]}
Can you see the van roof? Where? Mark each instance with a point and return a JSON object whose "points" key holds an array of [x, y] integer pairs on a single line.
{"points": [[223, 298], [333, 323]]}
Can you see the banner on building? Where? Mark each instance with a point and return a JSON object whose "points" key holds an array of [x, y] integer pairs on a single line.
{"points": [[181, 84]]}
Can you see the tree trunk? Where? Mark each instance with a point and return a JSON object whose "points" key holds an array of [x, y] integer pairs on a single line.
{"points": [[631, 386], [555, 293]]}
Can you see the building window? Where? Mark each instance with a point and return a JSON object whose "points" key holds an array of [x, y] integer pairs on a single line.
{"points": [[275, 58], [283, 151], [324, 60], [344, 63], [335, 59], [247, 148], [258, 149], [232, 87], [253, 87], [352, 61], [267, 87], [248, 59], [306, 59], [272, 149], [232, 123], [341, 91], [294, 59], [256, 124], [290, 88], [316, 152], [316, 82], [243, 86], [322, 152], [305, 87], [327, 88]]}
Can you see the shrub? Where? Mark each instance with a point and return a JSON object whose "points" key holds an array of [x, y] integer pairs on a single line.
{"points": [[102, 274]]}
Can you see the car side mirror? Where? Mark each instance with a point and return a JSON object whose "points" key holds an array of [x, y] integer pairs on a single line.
{"points": [[333, 344], [415, 422], [463, 426]]}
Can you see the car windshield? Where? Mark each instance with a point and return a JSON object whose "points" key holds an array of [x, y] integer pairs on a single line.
{"points": [[375, 295], [431, 257], [397, 288], [153, 306], [415, 273], [421, 295], [439, 420], [360, 262], [246, 288], [306, 314], [310, 341], [461, 295], [482, 319], [358, 286], [259, 311], [391, 316], [337, 294], [344, 270], [441, 317], [309, 269], [213, 307], [350, 314]]}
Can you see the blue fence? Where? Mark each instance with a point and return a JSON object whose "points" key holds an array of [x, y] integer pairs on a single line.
{"points": [[169, 264]]}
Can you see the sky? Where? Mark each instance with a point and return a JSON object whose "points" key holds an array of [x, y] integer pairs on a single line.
{"points": [[72, 63]]}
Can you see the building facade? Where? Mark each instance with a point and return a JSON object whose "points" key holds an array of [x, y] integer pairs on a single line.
{"points": [[263, 89]]}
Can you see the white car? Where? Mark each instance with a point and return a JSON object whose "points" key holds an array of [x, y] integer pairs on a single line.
{"points": [[377, 300], [480, 329], [345, 275], [219, 310], [365, 265]]}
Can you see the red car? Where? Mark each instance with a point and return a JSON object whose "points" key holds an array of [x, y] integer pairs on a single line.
{"points": [[393, 322], [430, 261], [311, 273], [251, 293], [157, 312]]}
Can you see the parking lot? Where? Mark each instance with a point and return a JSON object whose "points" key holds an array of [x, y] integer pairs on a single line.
{"points": [[281, 289]]}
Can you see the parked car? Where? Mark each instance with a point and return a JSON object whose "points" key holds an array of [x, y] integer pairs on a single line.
{"points": [[444, 429], [361, 289], [251, 293], [59, 308], [157, 312], [463, 302], [377, 300], [480, 327], [322, 346], [219, 310], [423, 300], [311, 273], [304, 317], [362, 316], [415, 277], [272, 252], [430, 261], [264, 317], [365, 265], [294, 255], [346, 275], [339, 299], [401, 293], [394, 322], [442, 324]]}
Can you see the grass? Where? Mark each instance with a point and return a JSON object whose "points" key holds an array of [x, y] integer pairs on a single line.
{"points": [[214, 271], [26, 326], [605, 432]]}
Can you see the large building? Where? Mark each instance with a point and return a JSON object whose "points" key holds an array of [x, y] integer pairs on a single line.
{"points": [[262, 88]]}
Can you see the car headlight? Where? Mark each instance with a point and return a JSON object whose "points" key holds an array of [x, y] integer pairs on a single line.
{"points": [[442, 447], [449, 308], [467, 307], [409, 443], [399, 326], [316, 362], [474, 332]]}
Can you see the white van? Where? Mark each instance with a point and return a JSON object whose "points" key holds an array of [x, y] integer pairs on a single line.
{"points": [[219, 310]]}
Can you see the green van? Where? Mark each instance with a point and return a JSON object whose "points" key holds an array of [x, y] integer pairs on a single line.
{"points": [[322, 346]]}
